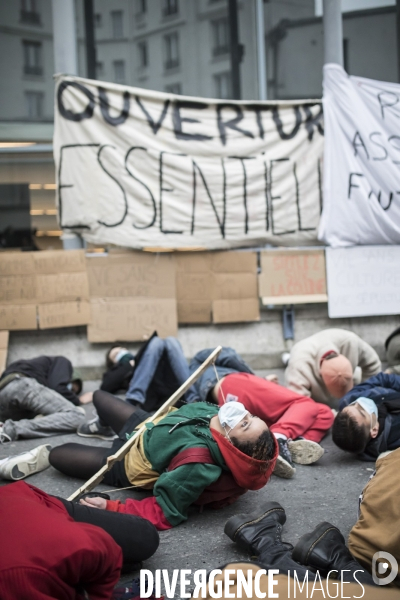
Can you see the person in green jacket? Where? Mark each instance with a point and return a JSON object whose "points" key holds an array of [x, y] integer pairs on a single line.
{"points": [[196, 448]]}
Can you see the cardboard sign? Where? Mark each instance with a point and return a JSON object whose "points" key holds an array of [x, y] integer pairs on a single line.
{"points": [[363, 281], [132, 294], [292, 276], [217, 287], [50, 285], [3, 350]]}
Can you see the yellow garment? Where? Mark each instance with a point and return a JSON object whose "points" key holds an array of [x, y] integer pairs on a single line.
{"points": [[284, 587], [137, 467], [378, 528]]}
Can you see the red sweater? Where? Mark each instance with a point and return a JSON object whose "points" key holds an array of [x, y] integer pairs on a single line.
{"points": [[45, 554]]}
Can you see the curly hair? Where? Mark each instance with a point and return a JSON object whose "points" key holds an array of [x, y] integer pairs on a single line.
{"points": [[348, 435], [262, 449]]}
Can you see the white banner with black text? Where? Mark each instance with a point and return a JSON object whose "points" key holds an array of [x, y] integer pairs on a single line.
{"points": [[140, 169]]}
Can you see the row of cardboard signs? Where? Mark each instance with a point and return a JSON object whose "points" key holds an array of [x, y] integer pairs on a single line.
{"points": [[126, 295]]}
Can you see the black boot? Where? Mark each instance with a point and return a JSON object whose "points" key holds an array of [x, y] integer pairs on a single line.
{"points": [[260, 535], [254, 531], [324, 549]]}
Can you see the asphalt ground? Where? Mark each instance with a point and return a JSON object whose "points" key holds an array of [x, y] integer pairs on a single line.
{"points": [[325, 491]]}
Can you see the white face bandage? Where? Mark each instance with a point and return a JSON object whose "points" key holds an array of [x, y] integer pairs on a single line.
{"points": [[120, 355], [231, 413]]}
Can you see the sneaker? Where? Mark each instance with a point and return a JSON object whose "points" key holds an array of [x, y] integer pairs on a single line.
{"points": [[4, 437], [130, 591], [24, 464], [284, 466], [305, 452], [95, 429]]}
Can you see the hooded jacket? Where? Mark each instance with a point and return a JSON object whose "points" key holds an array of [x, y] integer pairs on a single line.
{"points": [[303, 371], [46, 554], [174, 491]]}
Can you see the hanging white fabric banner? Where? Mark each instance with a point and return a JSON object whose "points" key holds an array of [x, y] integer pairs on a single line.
{"points": [[361, 161], [139, 168]]}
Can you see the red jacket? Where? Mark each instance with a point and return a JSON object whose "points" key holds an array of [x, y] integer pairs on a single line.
{"points": [[45, 554]]}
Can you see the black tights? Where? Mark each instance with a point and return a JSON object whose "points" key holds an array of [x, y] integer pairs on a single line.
{"points": [[78, 460], [137, 537]]}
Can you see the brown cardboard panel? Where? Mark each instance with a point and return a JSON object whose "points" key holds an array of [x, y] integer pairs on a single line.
{"points": [[64, 314], [292, 273], [194, 312], [190, 262], [20, 289], [4, 336], [59, 261], [234, 262], [15, 317], [194, 287], [62, 287], [232, 286], [16, 263], [131, 319], [236, 311], [131, 274]]}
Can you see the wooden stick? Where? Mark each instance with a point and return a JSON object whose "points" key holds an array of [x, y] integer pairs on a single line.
{"points": [[121, 453]]}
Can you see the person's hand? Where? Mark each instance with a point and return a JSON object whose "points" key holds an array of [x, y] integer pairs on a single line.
{"points": [[272, 377], [86, 398], [94, 502], [132, 363]]}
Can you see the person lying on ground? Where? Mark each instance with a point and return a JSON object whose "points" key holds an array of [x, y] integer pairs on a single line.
{"points": [[324, 365], [152, 375], [54, 557], [369, 419], [297, 422], [392, 347], [324, 549], [197, 453], [44, 386]]}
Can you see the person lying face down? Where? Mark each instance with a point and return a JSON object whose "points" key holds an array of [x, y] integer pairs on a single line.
{"points": [[185, 457], [369, 419]]}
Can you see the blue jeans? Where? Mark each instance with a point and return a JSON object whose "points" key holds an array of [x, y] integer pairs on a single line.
{"points": [[160, 372], [227, 362]]}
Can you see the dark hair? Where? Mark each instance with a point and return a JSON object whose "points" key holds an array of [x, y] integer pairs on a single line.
{"points": [[348, 435], [78, 382], [109, 362], [262, 449]]}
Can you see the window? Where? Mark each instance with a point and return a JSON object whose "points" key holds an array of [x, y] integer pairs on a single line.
{"points": [[119, 71], [98, 20], [170, 7], [141, 7], [142, 53], [29, 12], [220, 37], [171, 51], [33, 58], [173, 88], [117, 24], [222, 86], [99, 69], [346, 54], [34, 105]]}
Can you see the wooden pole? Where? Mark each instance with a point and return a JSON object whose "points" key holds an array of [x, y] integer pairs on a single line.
{"points": [[121, 453]]}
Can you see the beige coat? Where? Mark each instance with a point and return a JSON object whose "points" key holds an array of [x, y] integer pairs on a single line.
{"points": [[303, 371]]}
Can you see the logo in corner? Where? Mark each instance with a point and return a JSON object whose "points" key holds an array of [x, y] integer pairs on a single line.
{"points": [[383, 562]]}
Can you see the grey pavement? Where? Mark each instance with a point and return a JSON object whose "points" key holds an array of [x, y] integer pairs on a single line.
{"points": [[325, 491]]}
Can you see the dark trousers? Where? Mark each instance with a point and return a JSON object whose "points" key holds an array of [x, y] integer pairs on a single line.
{"points": [[137, 537]]}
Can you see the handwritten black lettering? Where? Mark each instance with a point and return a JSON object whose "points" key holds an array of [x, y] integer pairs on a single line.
{"points": [[69, 114], [164, 189], [155, 126], [125, 212], [351, 184], [359, 143], [105, 108], [232, 123], [279, 124], [371, 137], [388, 100], [273, 162], [178, 120], [221, 222], [153, 202]]}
